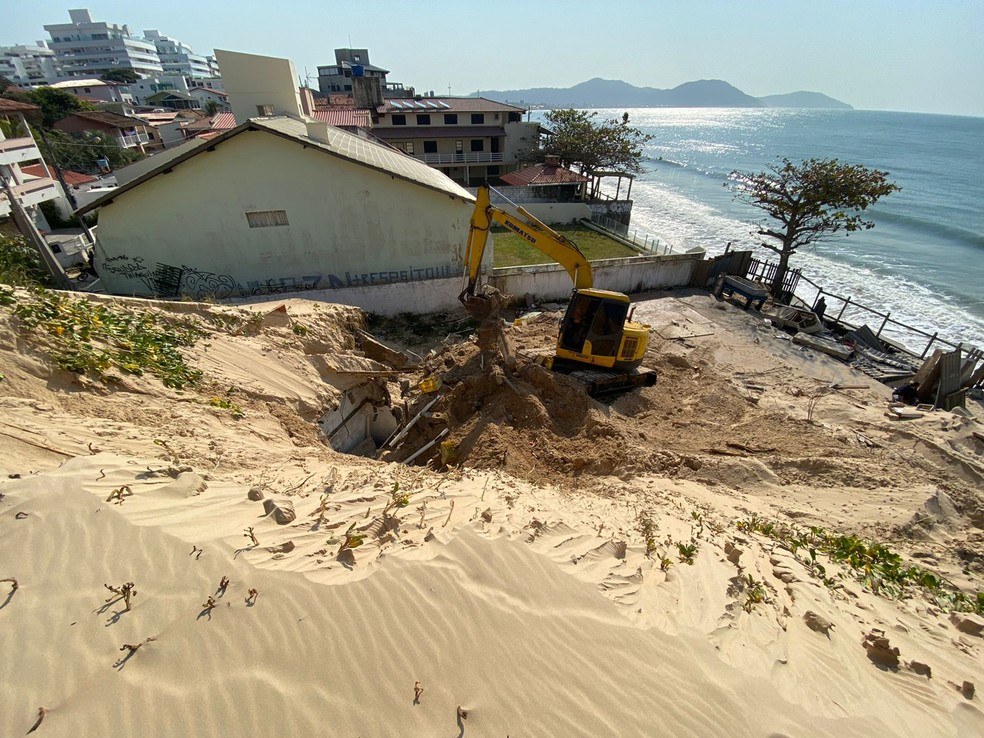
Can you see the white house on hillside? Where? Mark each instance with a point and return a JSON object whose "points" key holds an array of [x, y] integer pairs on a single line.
{"points": [[278, 204]]}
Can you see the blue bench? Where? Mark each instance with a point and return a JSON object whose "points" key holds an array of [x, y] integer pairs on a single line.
{"points": [[752, 292]]}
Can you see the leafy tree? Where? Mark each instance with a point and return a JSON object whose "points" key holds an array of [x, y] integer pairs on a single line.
{"points": [[124, 76], [54, 104], [579, 141], [211, 107], [79, 152], [809, 202]]}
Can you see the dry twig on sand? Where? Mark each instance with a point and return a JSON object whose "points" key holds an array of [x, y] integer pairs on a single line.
{"points": [[126, 591], [417, 691], [248, 533], [251, 597], [117, 495], [223, 584], [37, 724], [13, 583], [210, 604]]}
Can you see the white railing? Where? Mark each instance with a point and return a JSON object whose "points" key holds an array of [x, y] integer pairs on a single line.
{"points": [[135, 139], [471, 157]]}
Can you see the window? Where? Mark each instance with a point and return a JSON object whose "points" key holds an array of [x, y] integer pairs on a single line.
{"points": [[423, 120], [408, 147], [478, 144], [357, 57], [450, 119], [515, 117], [430, 147], [264, 110], [492, 171], [399, 120], [478, 118], [457, 147], [266, 218]]}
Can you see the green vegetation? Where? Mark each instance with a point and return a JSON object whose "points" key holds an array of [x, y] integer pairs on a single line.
{"points": [[580, 141], [809, 203], [224, 404], [873, 564], [511, 250], [20, 266], [95, 339]]}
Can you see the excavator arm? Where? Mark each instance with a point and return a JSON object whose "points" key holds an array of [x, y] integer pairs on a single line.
{"points": [[538, 234]]}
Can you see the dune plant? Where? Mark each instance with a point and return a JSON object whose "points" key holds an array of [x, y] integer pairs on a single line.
{"points": [[351, 540], [86, 337], [754, 592], [251, 596], [648, 529], [248, 533], [226, 404], [873, 564], [687, 552]]}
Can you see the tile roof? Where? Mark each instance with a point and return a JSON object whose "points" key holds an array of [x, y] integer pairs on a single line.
{"points": [[343, 117], [15, 106], [107, 118], [446, 105], [165, 94], [541, 175], [71, 178], [218, 122], [403, 133], [339, 143]]}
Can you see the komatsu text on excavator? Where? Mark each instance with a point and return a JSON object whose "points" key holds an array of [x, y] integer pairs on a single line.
{"points": [[598, 341]]}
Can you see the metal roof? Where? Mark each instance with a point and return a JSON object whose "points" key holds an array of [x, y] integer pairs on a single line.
{"points": [[402, 133], [342, 144], [448, 104]]}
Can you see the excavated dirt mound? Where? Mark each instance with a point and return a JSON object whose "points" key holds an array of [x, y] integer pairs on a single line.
{"points": [[695, 423]]}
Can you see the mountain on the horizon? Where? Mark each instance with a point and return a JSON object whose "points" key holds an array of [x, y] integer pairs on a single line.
{"points": [[804, 99], [607, 93]]}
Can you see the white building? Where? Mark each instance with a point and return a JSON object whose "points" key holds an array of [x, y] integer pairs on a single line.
{"points": [[280, 205], [29, 66], [178, 58], [87, 48]]}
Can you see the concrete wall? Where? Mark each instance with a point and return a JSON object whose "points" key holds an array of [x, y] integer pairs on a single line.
{"points": [[634, 274], [349, 225], [252, 81], [552, 212], [545, 282]]}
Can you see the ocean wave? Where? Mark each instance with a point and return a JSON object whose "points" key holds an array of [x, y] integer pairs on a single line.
{"points": [[945, 231]]}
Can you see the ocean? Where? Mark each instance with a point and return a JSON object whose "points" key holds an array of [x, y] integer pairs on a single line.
{"points": [[924, 259]]}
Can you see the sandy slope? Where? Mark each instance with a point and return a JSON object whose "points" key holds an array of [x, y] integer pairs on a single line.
{"points": [[517, 587]]}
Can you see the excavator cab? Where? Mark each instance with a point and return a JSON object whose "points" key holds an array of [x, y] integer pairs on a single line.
{"points": [[592, 325]]}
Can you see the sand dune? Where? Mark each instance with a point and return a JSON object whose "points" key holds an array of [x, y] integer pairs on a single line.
{"points": [[518, 586]]}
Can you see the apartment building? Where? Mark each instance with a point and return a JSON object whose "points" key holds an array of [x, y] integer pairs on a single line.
{"points": [[338, 77], [470, 139], [87, 48], [29, 65], [177, 58]]}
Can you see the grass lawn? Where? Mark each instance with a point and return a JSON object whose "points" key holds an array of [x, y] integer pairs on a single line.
{"points": [[511, 250]]}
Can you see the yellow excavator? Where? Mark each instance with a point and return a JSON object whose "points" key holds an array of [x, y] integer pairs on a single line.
{"points": [[598, 342]]}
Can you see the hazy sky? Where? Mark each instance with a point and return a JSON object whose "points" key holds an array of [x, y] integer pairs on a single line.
{"points": [[912, 55]]}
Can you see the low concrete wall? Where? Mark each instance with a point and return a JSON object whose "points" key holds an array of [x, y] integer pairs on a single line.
{"points": [[634, 274], [552, 212], [544, 281], [425, 296]]}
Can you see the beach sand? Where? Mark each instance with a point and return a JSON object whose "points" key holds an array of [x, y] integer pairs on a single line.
{"points": [[537, 585]]}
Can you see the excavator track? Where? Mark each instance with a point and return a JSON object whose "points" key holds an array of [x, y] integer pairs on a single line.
{"points": [[601, 382]]}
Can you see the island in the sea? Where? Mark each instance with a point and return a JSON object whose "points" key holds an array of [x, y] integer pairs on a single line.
{"points": [[705, 93]]}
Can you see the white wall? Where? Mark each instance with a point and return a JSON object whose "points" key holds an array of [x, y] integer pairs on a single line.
{"points": [[252, 81], [349, 225], [545, 282], [634, 274]]}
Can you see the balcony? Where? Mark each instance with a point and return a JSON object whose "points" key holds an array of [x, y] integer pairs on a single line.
{"points": [[470, 157], [30, 193], [131, 140], [18, 150]]}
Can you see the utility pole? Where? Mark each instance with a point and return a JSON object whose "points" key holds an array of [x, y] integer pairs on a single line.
{"points": [[50, 157], [31, 233]]}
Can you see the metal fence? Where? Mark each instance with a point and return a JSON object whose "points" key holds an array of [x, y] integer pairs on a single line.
{"points": [[644, 241], [846, 311]]}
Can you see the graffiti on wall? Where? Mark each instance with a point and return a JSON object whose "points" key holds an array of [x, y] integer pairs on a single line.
{"points": [[168, 280]]}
